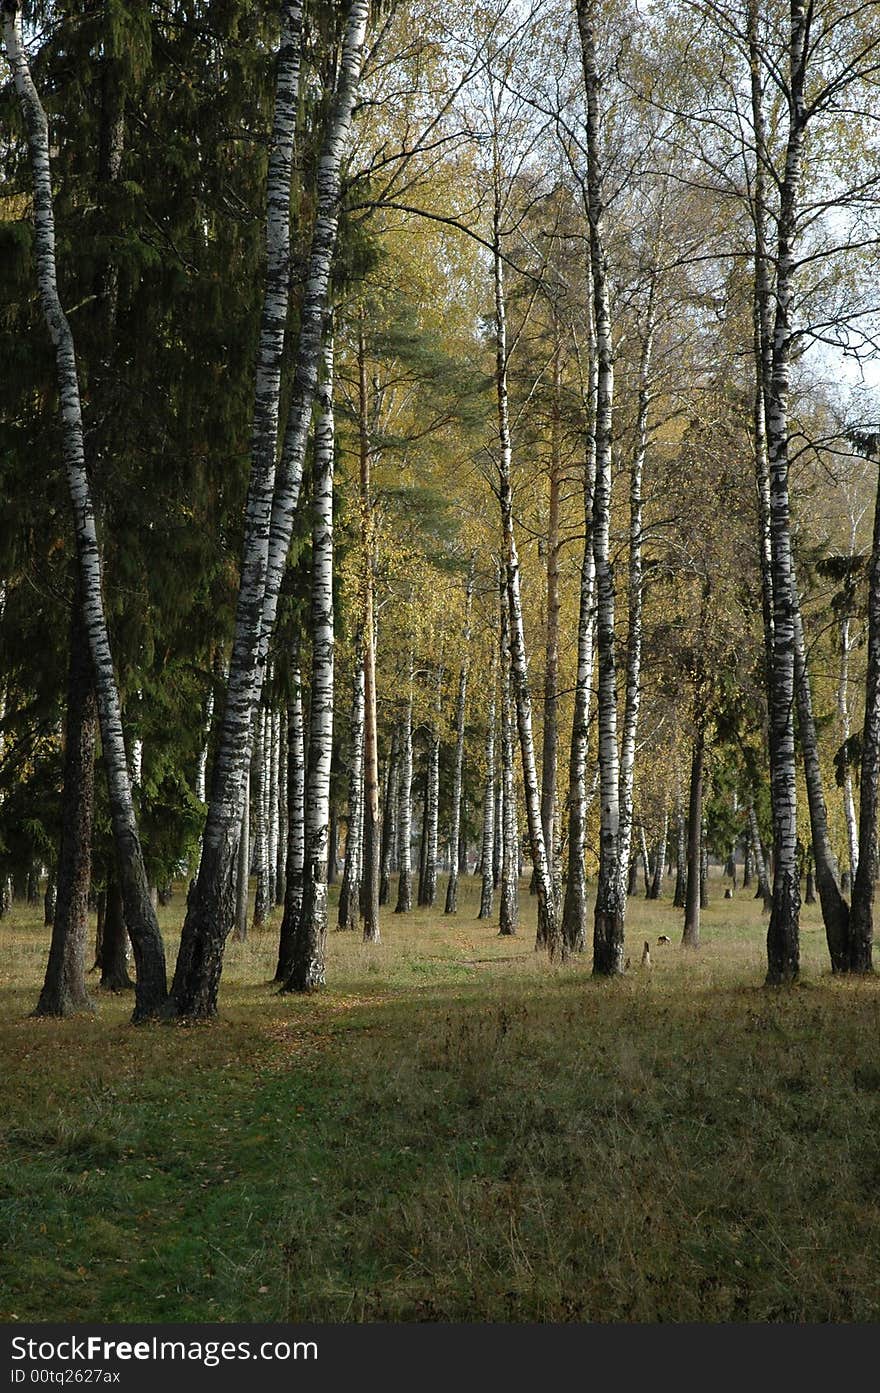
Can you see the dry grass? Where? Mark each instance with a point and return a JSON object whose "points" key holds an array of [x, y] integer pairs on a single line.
{"points": [[451, 1130]]}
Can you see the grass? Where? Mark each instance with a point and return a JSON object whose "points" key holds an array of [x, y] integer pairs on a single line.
{"points": [[452, 1130]]}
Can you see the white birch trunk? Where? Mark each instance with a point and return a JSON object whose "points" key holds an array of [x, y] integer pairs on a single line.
{"points": [[296, 827], [488, 839], [140, 915], [508, 915], [349, 893], [210, 907], [452, 884], [428, 878], [548, 916], [309, 949], [404, 835], [610, 909]]}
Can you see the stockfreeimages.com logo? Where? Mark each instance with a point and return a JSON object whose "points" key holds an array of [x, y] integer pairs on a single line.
{"points": [[95, 1349]]}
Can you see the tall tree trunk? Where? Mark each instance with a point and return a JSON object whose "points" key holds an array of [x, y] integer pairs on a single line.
{"points": [[259, 802], [296, 819], [64, 989], [679, 897], [610, 908], [489, 813], [550, 731], [404, 836], [282, 808], [632, 700], [389, 813], [508, 918], [141, 917], [350, 890], [455, 834], [309, 949], [849, 810], [273, 737], [273, 494], [428, 869], [861, 928], [369, 897], [548, 934], [243, 868], [574, 912], [691, 935]]}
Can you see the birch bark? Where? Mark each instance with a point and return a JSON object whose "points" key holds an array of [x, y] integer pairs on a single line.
{"points": [[140, 915], [461, 704], [309, 948], [404, 882], [610, 909]]}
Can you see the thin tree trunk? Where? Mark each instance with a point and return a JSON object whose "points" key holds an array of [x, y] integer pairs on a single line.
{"points": [[310, 944], [693, 900], [369, 891], [849, 810], [389, 812], [404, 836], [488, 841], [296, 829], [141, 917], [461, 705], [508, 919], [763, 872], [679, 897], [574, 912], [550, 731], [428, 869], [659, 862], [548, 933], [64, 989], [349, 893], [243, 868], [283, 795], [259, 780]]}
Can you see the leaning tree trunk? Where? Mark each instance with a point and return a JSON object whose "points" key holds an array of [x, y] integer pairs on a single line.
{"points": [[488, 841], [610, 908], [296, 828], [64, 989], [861, 928], [309, 949], [548, 934], [350, 889], [455, 834], [273, 494], [404, 835], [140, 914]]}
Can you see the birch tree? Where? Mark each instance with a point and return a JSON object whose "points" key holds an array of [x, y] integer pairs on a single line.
{"points": [[140, 914]]}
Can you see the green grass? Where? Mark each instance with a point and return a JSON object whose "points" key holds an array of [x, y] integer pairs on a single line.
{"points": [[452, 1130]]}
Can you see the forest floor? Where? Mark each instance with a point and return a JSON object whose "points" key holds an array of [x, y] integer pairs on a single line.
{"points": [[451, 1130]]}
